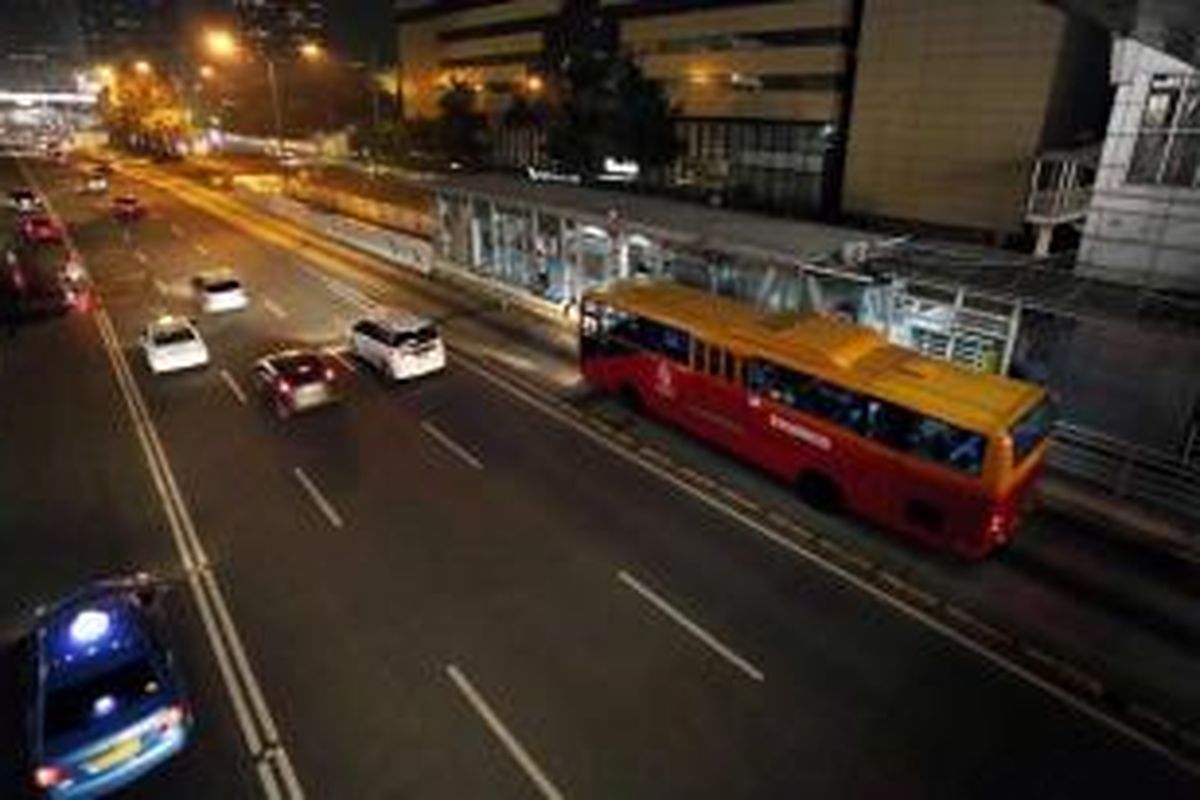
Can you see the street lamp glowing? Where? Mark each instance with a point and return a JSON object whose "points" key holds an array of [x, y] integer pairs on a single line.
{"points": [[221, 43], [311, 51], [142, 67], [106, 73], [535, 84], [207, 72]]}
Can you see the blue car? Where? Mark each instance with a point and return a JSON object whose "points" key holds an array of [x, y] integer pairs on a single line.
{"points": [[106, 705]]}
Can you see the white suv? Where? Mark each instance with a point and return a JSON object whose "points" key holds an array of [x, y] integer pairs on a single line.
{"points": [[219, 290], [401, 345]]}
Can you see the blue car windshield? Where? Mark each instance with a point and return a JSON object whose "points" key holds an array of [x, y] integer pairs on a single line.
{"points": [[74, 707]]}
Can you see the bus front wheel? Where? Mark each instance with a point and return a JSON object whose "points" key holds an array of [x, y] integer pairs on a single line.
{"points": [[819, 491]]}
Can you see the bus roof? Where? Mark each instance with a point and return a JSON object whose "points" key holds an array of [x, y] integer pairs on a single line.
{"points": [[851, 355]]}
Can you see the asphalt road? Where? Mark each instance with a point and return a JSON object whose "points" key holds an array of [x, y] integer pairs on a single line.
{"points": [[483, 604], [1123, 615], [76, 504]]}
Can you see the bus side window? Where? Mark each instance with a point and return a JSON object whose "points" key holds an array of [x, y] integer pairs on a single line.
{"points": [[730, 367], [948, 444], [890, 424], [714, 361], [698, 356], [760, 377], [674, 343]]}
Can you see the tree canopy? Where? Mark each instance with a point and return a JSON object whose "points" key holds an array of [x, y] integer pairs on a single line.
{"points": [[601, 104]]}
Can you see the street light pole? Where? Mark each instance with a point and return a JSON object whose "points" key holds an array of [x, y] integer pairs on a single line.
{"points": [[274, 86]]}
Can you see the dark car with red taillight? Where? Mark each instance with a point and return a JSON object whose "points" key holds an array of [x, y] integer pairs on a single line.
{"points": [[292, 381]]}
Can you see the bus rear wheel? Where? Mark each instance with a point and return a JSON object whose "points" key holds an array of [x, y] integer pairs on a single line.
{"points": [[631, 399], [819, 491]]}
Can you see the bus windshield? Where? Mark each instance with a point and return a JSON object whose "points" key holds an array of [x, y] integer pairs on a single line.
{"points": [[1032, 429]]}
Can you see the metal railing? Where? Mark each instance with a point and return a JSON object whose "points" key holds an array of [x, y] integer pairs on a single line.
{"points": [[1058, 205], [1128, 471]]}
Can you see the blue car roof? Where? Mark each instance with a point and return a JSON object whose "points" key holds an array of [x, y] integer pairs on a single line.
{"points": [[90, 634], [101, 634]]}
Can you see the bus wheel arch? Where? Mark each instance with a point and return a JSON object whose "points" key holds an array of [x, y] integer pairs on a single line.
{"points": [[820, 491], [631, 398]]}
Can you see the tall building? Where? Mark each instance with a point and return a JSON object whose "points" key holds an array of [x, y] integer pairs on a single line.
{"points": [[279, 26], [39, 45], [1143, 224], [761, 87], [925, 112], [953, 102]]}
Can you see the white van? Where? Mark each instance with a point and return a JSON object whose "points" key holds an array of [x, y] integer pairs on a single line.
{"points": [[399, 344]]}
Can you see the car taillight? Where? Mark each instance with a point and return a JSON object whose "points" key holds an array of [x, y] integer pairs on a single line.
{"points": [[284, 386], [171, 718], [48, 777], [996, 523], [329, 374], [82, 301]]}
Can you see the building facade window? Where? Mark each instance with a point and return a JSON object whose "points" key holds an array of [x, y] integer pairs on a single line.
{"points": [[1167, 152], [759, 164]]}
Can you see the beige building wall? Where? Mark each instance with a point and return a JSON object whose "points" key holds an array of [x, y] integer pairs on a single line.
{"points": [[950, 102], [760, 87], [712, 66], [428, 63]]}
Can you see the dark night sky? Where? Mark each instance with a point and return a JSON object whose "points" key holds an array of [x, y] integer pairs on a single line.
{"points": [[357, 26]]}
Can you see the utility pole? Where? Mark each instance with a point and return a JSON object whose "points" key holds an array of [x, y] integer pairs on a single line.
{"points": [[274, 86]]}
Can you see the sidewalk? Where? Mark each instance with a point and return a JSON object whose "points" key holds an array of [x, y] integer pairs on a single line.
{"points": [[554, 326]]}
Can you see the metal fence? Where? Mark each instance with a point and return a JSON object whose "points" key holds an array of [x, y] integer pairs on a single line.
{"points": [[1129, 471]]}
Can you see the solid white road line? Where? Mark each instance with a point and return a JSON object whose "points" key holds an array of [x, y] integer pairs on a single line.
{"points": [[451, 445], [270, 785], [160, 286], [501, 732], [719, 647], [141, 256], [331, 514], [222, 635], [232, 383], [202, 250], [914, 613], [232, 663], [274, 308]]}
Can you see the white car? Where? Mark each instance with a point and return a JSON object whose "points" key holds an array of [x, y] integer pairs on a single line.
{"points": [[219, 291], [172, 344], [24, 201], [399, 344], [95, 184]]}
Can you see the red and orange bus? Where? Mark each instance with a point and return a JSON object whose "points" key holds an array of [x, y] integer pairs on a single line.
{"points": [[918, 446]]}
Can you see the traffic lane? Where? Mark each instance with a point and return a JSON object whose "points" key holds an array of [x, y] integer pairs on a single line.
{"points": [[336, 447], [281, 310], [92, 493], [151, 273], [76, 506], [324, 674], [214, 442], [480, 320], [1124, 615], [792, 620]]}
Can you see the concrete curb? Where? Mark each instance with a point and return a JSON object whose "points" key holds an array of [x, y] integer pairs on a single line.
{"points": [[1122, 520]]}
